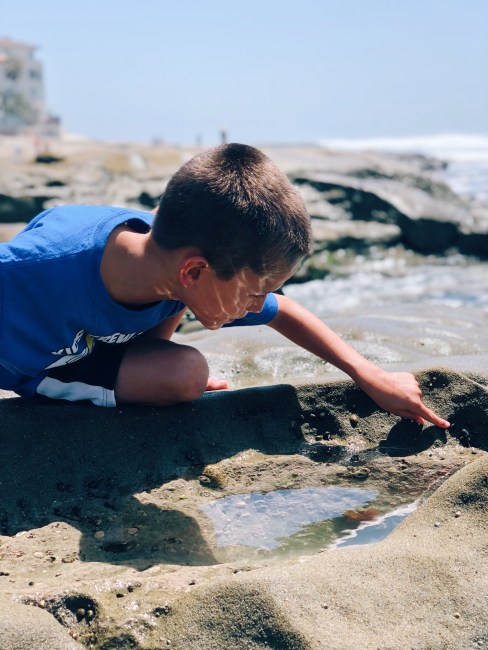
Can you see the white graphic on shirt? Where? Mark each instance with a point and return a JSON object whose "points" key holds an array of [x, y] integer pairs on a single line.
{"points": [[81, 348]]}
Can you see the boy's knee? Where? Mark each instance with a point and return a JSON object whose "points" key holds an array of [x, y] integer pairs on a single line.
{"points": [[194, 374], [161, 373]]}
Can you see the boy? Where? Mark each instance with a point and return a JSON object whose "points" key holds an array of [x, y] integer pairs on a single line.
{"points": [[90, 296]]}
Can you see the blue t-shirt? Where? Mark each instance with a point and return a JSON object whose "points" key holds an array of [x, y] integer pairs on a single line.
{"points": [[53, 304]]}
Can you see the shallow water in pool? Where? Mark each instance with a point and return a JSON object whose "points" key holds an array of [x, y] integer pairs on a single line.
{"points": [[294, 522]]}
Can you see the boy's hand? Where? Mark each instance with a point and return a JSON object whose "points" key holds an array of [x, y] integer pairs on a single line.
{"points": [[396, 392], [399, 393]]}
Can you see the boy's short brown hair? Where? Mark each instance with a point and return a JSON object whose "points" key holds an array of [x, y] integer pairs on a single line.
{"points": [[238, 208]]}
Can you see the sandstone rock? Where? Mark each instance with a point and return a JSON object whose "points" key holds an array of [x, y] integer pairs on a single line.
{"points": [[332, 235], [26, 627], [88, 173], [428, 225], [320, 205], [9, 230], [474, 233], [23, 208], [416, 170], [143, 473]]}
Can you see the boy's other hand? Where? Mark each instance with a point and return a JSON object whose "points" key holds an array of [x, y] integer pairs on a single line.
{"points": [[216, 384], [399, 393]]}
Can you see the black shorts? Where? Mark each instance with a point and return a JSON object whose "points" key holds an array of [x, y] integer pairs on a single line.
{"points": [[91, 378]]}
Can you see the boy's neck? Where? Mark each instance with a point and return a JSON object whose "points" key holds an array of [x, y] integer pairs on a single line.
{"points": [[136, 271]]}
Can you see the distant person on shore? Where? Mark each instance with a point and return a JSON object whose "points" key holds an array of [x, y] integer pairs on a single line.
{"points": [[90, 296]]}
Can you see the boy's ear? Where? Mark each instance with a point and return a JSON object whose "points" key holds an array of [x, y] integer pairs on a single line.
{"points": [[191, 270]]}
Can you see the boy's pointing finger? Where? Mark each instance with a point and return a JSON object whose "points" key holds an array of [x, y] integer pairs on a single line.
{"points": [[430, 416]]}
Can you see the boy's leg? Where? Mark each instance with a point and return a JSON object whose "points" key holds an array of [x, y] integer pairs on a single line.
{"points": [[154, 370], [160, 372], [144, 371]]}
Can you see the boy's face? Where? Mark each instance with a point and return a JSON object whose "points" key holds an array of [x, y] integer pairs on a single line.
{"points": [[216, 302]]}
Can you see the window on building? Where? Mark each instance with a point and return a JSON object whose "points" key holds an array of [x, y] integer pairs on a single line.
{"points": [[13, 68]]}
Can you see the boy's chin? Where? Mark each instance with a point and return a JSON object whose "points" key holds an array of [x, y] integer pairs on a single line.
{"points": [[215, 325]]}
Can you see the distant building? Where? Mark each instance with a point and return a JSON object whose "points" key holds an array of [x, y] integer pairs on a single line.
{"points": [[22, 106]]}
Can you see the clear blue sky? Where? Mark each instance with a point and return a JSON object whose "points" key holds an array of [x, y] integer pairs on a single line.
{"points": [[269, 70]]}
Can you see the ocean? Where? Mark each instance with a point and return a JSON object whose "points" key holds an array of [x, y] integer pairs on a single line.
{"points": [[395, 276], [466, 156]]}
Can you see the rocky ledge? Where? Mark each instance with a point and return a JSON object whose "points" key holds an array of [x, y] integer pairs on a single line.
{"points": [[423, 222], [357, 201]]}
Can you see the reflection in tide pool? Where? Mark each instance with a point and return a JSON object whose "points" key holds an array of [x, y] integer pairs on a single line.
{"points": [[370, 532], [268, 521]]}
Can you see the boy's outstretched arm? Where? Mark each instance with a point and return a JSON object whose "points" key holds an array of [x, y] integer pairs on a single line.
{"points": [[396, 392]]}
